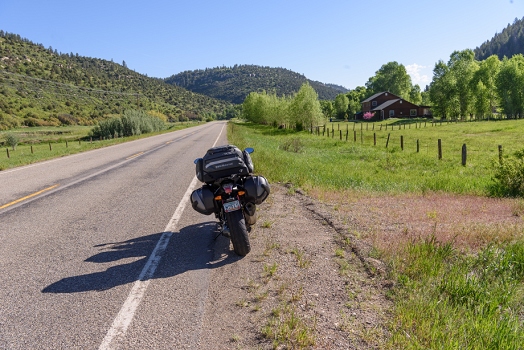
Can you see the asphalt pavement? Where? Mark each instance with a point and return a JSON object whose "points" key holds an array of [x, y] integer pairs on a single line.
{"points": [[103, 250]]}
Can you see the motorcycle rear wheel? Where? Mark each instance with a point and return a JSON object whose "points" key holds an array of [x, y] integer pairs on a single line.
{"points": [[239, 235]]}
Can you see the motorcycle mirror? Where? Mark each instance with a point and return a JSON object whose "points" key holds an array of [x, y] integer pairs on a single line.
{"points": [[249, 150], [196, 160]]}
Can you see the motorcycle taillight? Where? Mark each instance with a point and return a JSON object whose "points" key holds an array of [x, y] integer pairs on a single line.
{"points": [[228, 188]]}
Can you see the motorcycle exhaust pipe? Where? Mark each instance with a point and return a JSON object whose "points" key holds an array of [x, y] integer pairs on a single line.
{"points": [[250, 213]]}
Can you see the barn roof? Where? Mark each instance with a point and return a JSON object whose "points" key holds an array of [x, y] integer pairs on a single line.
{"points": [[386, 104]]}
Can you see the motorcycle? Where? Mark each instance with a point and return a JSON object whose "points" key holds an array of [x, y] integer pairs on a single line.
{"points": [[230, 191]]}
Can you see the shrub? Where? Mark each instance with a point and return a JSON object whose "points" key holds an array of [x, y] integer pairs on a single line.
{"points": [[293, 145], [133, 122], [12, 140], [509, 177]]}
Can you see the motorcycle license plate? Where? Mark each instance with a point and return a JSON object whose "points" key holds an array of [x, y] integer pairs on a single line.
{"points": [[231, 206]]}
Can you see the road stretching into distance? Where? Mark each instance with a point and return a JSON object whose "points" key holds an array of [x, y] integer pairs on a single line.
{"points": [[102, 250]]}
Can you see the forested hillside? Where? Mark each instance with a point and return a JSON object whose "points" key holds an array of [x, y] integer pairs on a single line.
{"points": [[39, 86], [507, 43], [233, 84]]}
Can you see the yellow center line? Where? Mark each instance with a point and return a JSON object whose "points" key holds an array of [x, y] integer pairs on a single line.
{"points": [[27, 197], [135, 155]]}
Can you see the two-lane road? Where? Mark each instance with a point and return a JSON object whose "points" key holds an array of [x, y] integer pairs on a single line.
{"points": [[77, 232]]}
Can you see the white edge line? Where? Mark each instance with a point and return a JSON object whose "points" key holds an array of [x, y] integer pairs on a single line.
{"points": [[127, 312]]}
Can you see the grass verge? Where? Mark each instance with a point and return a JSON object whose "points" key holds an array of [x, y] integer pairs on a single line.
{"points": [[444, 297], [44, 143], [331, 163]]}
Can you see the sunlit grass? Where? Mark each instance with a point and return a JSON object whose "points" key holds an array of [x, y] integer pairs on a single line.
{"points": [[44, 143], [331, 163], [448, 300], [444, 297]]}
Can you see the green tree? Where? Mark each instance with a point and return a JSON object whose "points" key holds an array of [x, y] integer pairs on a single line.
{"points": [[415, 95], [391, 77], [510, 85], [304, 108], [253, 108], [440, 90], [487, 74], [462, 66], [341, 105], [327, 108], [356, 96]]}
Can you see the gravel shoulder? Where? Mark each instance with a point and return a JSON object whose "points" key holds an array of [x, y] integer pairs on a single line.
{"points": [[307, 283]]}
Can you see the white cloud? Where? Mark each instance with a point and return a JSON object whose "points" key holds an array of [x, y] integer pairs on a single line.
{"points": [[419, 74]]}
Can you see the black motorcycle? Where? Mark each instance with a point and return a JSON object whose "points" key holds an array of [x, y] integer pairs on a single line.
{"points": [[231, 192]]}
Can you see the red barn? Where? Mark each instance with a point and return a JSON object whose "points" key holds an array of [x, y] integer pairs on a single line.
{"points": [[387, 105]]}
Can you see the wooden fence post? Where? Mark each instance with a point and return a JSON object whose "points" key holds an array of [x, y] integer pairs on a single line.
{"points": [[418, 146], [67, 144], [7, 149], [464, 154], [50, 146], [354, 136], [401, 142], [387, 141], [500, 154], [31, 149], [439, 149], [340, 134], [374, 139]]}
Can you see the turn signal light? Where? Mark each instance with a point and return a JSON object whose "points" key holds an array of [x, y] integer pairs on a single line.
{"points": [[218, 198], [241, 193]]}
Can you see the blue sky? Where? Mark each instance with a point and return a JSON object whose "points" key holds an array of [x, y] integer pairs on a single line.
{"points": [[332, 41]]}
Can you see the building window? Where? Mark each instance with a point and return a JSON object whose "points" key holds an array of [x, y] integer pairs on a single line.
{"points": [[413, 112], [374, 103], [391, 113]]}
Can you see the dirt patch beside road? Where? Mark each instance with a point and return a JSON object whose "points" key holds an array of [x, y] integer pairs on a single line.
{"points": [[306, 283]]}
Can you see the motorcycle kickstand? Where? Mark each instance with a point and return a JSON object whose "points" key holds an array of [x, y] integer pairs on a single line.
{"points": [[221, 232]]}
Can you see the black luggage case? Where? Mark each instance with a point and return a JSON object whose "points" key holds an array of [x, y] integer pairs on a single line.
{"points": [[220, 162]]}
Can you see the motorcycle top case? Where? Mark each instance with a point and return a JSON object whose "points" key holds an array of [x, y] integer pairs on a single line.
{"points": [[257, 189], [223, 161]]}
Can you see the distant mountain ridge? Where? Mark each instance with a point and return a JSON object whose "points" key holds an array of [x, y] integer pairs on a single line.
{"points": [[233, 84], [39, 86], [507, 43]]}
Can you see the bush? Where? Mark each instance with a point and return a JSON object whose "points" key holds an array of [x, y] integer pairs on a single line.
{"points": [[133, 122], [509, 177], [7, 121], [12, 140]]}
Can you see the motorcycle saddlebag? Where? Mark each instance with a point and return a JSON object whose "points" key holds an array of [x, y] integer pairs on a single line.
{"points": [[203, 200], [222, 161], [257, 189]]}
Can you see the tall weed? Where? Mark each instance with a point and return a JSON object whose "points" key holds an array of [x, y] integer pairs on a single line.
{"points": [[448, 300]]}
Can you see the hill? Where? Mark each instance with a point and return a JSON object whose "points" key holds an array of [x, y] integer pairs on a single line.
{"points": [[39, 86], [233, 84], [507, 43]]}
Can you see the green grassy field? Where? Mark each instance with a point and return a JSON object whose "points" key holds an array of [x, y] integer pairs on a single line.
{"points": [[312, 161], [444, 297], [42, 143]]}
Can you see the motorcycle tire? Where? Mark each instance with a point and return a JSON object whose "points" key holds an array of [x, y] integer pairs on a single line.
{"points": [[238, 231]]}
